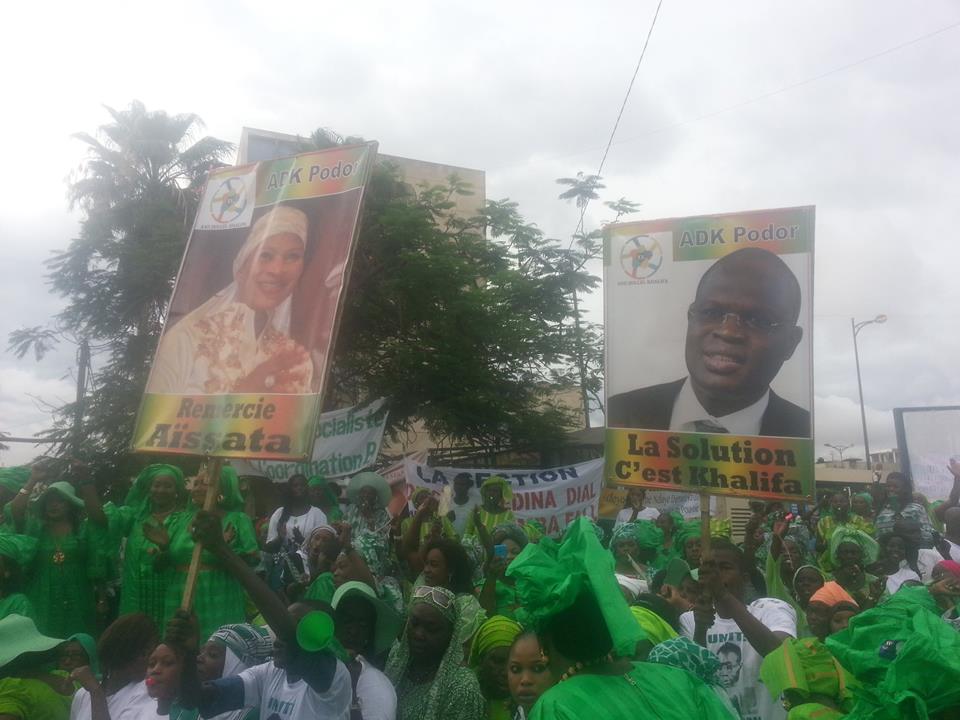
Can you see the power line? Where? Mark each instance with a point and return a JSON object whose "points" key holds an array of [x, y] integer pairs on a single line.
{"points": [[766, 95], [623, 107]]}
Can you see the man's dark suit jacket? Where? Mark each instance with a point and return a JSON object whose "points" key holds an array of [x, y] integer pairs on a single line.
{"points": [[650, 408]]}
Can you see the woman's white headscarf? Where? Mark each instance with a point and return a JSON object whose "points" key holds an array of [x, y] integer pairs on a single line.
{"points": [[278, 221]]}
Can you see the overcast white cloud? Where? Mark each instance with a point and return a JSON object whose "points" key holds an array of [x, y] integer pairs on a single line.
{"points": [[528, 92]]}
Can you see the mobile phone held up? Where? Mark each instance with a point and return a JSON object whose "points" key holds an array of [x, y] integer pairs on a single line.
{"points": [[500, 551]]}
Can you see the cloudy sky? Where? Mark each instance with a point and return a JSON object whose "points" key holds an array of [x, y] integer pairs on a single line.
{"points": [[851, 107]]}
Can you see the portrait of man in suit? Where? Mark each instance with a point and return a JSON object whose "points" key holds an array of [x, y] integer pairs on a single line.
{"points": [[741, 329]]}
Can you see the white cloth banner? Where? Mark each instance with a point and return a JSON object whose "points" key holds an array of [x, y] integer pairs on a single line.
{"points": [[554, 496], [348, 440]]}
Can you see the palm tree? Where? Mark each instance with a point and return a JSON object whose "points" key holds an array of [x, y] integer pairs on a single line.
{"points": [[583, 188], [138, 189]]}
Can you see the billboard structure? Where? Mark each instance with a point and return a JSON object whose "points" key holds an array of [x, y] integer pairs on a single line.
{"points": [[243, 357], [928, 437], [708, 325]]}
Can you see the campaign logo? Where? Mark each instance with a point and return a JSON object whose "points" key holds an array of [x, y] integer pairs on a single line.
{"points": [[641, 256], [229, 200]]}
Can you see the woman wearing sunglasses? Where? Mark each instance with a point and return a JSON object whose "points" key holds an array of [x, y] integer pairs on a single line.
{"points": [[426, 666]]}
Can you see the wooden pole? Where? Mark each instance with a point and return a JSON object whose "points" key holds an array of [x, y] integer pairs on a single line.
{"points": [[704, 526], [209, 503]]}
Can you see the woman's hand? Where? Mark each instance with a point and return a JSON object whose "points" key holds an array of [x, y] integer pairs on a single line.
{"points": [[85, 677], [271, 373]]}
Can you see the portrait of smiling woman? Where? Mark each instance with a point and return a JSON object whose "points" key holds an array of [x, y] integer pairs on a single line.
{"points": [[239, 341]]}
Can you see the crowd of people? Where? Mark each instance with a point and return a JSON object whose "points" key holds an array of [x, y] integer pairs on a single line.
{"points": [[332, 606]]}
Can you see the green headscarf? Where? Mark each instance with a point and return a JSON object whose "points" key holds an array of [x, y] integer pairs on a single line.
{"points": [[505, 488], [847, 534], [497, 631], [139, 495], [232, 498], [315, 480], [19, 548], [684, 653], [534, 530], [549, 578], [656, 628], [511, 531], [807, 667], [866, 497], [14, 478], [646, 534]]}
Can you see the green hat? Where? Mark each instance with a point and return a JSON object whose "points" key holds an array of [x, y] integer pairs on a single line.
{"points": [[389, 623], [644, 532], [19, 548], [19, 635], [315, 480], [66, 491], [549, 578], [89, 646], [502, 483], [369, 479]]}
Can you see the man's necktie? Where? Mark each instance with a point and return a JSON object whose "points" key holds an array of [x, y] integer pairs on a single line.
{"points": [[709, 426]]}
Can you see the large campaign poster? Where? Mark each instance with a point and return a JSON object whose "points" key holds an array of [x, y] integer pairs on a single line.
{"points": [[708, 330], [243, 357], [928, 439]]}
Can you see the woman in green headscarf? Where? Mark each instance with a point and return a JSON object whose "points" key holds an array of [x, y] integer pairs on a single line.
{"points": [[426, 664], [489, 653], [495, 509], [16, 555], [151, 516], [850, 552], [634, 547], [569, 594], [671, 524], [218, 598], [688, 543], [62, 582]]}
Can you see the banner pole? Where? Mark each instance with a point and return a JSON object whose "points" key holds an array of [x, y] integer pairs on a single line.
{"points": [[213, 468], [704, 527]]}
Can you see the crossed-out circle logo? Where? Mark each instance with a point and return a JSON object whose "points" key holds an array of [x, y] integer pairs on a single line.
{"points": [[229, 200], [641, 257]]}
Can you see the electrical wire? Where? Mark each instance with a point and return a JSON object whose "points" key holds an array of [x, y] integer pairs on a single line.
{"points": [[616, 124]]}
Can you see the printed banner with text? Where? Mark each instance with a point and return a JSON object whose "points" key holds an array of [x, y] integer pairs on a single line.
{"points": [[554, 496], [348, 441], [708, 325], [243, 357]]}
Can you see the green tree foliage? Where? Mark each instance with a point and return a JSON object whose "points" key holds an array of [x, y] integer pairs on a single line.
{"points": [[137, 190]]}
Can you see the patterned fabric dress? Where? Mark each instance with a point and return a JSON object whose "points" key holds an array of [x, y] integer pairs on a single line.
{"points": [[61, 580], [218, 599], [143, 582]]}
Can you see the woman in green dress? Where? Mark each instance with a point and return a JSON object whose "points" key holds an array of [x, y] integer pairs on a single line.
{"points": [[155, 503], [569, 594], [218, 597], [671, 524], [16, 555], [62, 582], [322, 496], [489, 655]]}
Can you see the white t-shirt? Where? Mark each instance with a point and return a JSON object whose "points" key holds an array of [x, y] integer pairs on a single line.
{"points": [[927, 560], [648, 513], [306, 523], [131, 702], [378, 698], [462, 512], [266, 686], [740, 670]]}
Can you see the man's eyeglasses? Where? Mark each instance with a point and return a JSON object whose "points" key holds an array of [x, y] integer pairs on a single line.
{"points": [[715, 316]]}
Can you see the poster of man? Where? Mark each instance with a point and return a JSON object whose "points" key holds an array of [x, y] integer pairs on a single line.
{"points": [[708, 331], [253, 314]]}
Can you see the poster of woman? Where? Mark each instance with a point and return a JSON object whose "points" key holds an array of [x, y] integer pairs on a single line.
{"points": [[252, 320]]}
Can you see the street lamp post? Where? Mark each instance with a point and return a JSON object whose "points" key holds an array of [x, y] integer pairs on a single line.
{"points": [[856, 327]]}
